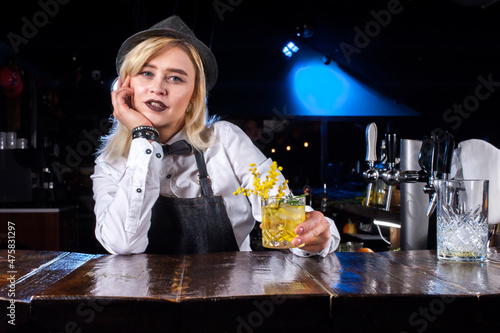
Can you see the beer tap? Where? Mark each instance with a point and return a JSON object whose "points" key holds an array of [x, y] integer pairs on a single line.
{"points": [[418, 224], [436, 159], [448, 155], [428, 161], [371, 175], [391, 177]]}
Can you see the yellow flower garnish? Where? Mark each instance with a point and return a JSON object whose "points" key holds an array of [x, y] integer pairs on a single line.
{"points": [[262, 188]]}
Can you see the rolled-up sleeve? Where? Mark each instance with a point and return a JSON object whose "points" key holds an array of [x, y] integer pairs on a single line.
{"points": [[125, 191]]}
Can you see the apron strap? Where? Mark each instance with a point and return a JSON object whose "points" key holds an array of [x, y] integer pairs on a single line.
{"points": [[203, 178]]}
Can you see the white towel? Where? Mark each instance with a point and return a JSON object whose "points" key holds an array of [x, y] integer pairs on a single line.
{"points": [[478, 159]]}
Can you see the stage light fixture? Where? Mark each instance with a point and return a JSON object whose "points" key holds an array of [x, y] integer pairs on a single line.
{"points": [[305, 30], [289, 49]]}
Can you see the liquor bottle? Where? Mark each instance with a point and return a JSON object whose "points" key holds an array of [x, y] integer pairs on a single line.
{"points": [[324, 199], [308, 193], [48, 184]]}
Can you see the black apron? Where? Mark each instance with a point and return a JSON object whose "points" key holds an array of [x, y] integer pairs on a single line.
{"points": [[194, 225]]}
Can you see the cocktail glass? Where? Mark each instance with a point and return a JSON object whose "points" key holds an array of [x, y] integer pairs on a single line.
{"points": [[462, 220], [279, 220]]}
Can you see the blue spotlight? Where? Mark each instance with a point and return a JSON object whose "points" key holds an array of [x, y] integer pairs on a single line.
{"points": [[289, 49], [319, 90]]}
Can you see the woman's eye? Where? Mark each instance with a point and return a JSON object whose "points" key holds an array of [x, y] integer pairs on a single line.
{"points": [[146, 74], [175, 79]]}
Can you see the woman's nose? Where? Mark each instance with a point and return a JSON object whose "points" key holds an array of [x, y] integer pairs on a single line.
{"points": [[158, 89]]}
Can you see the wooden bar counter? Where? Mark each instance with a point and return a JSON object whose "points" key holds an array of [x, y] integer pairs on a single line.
{"points": [[272, 291]]}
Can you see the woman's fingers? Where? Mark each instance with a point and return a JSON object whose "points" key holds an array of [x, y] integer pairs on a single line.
{"points": [[314, 232], [123, 109]]}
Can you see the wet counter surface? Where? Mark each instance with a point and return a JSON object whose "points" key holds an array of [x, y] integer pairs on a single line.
{"points": [[249, 292]]}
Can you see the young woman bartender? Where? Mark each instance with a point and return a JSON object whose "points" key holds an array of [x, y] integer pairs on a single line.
{"points": [[165, 175]]}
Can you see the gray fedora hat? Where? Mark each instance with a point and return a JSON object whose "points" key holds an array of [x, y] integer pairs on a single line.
{"points": [[173, 26]]}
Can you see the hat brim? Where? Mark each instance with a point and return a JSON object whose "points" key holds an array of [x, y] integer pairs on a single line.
{"points": [[207, 57]]}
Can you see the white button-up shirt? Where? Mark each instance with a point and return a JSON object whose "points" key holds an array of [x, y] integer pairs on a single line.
{"points": [[125, 189]]}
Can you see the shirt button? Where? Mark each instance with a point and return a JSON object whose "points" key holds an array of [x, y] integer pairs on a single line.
{"points": [[158, 155], [148, 151], [169, 176], [139, 190]]}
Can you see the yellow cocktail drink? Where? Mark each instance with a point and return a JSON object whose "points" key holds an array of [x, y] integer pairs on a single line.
{"points": [[279, 220]]}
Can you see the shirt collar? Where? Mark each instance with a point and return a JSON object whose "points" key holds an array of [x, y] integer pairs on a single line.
{"points": [[181, 135]]}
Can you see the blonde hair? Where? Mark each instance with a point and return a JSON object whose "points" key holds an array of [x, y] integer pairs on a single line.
{"points": [[197, 122]]}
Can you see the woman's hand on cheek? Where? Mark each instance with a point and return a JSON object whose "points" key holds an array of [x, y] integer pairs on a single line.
{"points": [[122, 106], [313, 233]]}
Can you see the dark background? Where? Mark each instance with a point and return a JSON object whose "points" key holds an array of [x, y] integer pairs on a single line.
{"points": [[428, 57]]}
